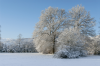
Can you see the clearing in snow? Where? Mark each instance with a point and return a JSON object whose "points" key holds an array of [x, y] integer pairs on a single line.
{"points": [[37, 59]]}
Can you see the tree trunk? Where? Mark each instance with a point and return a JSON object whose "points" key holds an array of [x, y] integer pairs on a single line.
{"points": [[54, 44]]}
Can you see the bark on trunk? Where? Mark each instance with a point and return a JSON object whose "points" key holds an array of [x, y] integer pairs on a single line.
{"points": [[54, 45]]}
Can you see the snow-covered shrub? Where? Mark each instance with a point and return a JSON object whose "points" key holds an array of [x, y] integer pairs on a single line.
{"points": [[71, 44], [70, 52]]}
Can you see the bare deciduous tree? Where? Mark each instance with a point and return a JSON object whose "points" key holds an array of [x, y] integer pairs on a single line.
{"points": [[81, 19], [52, 22], [19, 40]]}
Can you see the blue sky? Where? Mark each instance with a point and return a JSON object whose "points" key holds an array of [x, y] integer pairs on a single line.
{"points": [[20, 16]]}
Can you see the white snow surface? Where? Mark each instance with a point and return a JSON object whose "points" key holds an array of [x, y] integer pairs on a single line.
{"points": [[37, 59]]}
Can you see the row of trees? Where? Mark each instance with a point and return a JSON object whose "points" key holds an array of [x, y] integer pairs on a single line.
{"points": [[71, 29], [19, 45]]}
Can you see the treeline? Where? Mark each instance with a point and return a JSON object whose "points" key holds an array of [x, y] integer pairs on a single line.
{"points": [[24, 45]]}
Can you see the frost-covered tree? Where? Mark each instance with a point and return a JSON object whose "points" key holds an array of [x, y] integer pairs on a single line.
{"points": [[96, 45], [71, 37], [26, 45], [71, 44], [52, 22], [19, 41], [79, 18], [89, 42], [4, 48], [0, 39]]}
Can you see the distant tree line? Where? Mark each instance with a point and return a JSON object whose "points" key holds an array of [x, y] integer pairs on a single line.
{"points": [[14, 48], [20, 45]]}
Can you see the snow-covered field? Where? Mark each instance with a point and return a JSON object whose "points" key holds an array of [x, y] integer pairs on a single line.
{"points": [[37, 59]]}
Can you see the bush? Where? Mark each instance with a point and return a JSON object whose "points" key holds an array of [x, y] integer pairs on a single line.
{"points": [[98, 52], [70, 52]]}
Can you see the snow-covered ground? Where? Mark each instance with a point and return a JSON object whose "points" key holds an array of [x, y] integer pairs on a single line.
{"points": [[37, 59]]}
